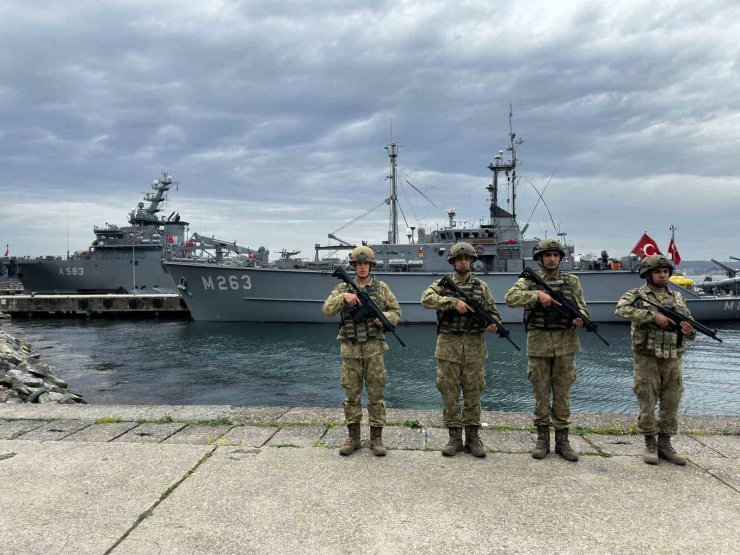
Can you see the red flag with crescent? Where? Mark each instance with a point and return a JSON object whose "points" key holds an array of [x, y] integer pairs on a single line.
{"points": [[646, 246], [673, 251], [7, 250]]}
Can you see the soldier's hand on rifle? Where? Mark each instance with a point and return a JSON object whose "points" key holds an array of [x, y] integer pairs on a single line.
{"points": [[351, 299], [687, 328], [546, 300], [578, 322], [377, 322], [463, 307], [493, 328], [663, 321]]}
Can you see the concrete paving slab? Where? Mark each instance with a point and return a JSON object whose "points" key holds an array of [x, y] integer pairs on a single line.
{"points": [[297, 436], [634, 445], [728, 446], [102, 432], [506, 441], [313, 501], [68, 497], [725, 470], [437, 438], [427, 418], [520, 420], [334, 437], [622, 445], [150, 432], [402, 437], [10, 429], [198, 434], [248, 415], [577, 442], [254, 436], [314, 415], [55, 430], [51, 411]]}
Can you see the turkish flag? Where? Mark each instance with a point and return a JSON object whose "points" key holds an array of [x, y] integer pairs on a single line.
{"points": [[170, 239], [646, 246], [7, 250], [673, 251]]}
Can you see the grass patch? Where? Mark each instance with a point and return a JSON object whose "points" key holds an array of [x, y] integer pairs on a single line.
{"points": [[107, 420], [220, 421], [601, 430], [412, 423]]}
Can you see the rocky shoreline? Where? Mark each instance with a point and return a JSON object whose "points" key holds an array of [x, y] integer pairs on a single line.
{"points": [[24, 378]]}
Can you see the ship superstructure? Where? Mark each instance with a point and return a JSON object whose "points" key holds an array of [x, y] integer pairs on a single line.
{"points": [[293, 290]]}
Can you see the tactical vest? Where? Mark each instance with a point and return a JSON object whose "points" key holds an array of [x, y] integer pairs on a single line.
{"points": [[364, 330], [542, 318], [649, 339], [451, 321]]}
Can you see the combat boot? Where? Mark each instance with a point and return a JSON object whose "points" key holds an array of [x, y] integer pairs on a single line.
{"points": [[376, 441], [542, 447], [562, 446], [353, 440], [667, 452], [473, 444], [650, 456], [455, 445]]}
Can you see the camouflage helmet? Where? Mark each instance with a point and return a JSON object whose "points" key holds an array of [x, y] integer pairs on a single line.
{"points": [[362, 254], [459, 249], [547, 245], [655, 262]]}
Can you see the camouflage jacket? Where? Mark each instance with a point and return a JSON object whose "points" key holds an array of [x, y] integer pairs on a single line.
{"points": [[647, 337], [541, 342], [334, 304], [463, 347]]}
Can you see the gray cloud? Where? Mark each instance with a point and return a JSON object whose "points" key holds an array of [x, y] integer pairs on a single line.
{"points": [[274, 116]]}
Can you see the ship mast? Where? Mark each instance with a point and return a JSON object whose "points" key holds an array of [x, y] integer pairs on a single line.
{"points": [[392, 149], [508, 168]]}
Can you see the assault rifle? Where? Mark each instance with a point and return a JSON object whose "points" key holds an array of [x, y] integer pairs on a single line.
{"points": [[676, 317], [566, 307], [479, 313], [368, 307]]}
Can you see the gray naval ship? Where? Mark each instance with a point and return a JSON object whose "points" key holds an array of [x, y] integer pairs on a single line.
{"points": [[129, 258], [292, 290]]}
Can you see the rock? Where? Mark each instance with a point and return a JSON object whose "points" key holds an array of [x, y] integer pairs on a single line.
{"points": [[25, 378]]}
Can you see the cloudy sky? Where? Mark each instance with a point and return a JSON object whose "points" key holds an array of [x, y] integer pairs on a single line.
{"points": [[273, 117]]}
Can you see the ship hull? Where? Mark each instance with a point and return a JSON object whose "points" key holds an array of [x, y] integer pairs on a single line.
{"points": [[232, 294], [81, 275]]}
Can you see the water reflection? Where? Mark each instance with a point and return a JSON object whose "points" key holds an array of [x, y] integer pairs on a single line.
{"points": [[298, 364]]}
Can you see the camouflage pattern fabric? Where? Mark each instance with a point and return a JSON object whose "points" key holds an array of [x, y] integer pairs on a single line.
{"points": [[552, 368], [370, 371], [548, 343], [658, 360], [658, 379], [362, 359], [460, 361], [647, 337], [454, 377], [552, 377]]}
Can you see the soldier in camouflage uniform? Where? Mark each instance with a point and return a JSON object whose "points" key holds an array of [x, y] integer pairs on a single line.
{"points": [[362, 347], [461, 351], [658, 347], [551, 345]]}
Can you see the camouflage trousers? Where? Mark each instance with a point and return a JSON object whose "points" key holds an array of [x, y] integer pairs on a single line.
{"points": [[551, 377], [468, 377], [370, 371], [658, 379]]}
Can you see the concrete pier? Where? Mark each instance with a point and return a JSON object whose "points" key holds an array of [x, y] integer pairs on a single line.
{"points": [[143, 305], [220, 479]]}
